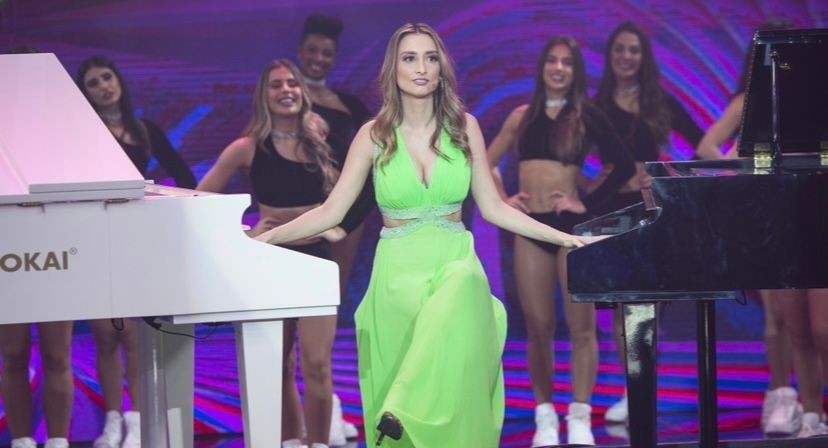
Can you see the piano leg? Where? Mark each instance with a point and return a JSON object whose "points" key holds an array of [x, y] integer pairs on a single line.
{"points": [[259, 352], [153, 399], [179, 355], [640, 338], [708, 405]]}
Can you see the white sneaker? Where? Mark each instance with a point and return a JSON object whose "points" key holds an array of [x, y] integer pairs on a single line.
{"points": [[786, 416], [112, 431], [340, 426], [132, 422], [23, 442], [350, 429], [337, 434], [546, 425], [579, 424], [811, 426], [619, 431], [292, 443], [618, 412], [56, 442], [768, 405]]}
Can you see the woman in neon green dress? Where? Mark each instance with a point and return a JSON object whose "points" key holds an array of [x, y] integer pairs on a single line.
{"points": [[430, 335]]}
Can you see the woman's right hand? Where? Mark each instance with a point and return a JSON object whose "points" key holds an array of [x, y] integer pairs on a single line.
{"points": [[567, 203], [518, 201], [263, 226]]}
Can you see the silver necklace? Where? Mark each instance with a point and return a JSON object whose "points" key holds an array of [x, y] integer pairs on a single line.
{"points": [[628, 91], [282, 135], [315, 82], [556, 103], [111, 118]]}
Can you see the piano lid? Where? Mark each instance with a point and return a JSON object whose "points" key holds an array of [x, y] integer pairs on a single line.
{"points": [[803, 94], [53, 146]]}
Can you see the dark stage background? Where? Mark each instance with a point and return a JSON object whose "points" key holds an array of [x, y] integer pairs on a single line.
{"points": [[192, 64]]}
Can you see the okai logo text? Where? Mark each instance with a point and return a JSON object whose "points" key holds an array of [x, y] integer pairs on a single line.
{"points": [[36, 261]]}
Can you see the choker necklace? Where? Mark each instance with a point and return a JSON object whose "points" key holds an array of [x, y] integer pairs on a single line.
{"points": [[315, 82], [628, 91], [113, 118], [282, 135], [551, 104]]}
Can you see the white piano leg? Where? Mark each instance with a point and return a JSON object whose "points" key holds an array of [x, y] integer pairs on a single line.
{"points": [[179, 353], [259, 351], [153, 400]]}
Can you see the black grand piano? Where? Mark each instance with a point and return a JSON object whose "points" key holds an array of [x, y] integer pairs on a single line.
{"points": [[707, 230]]}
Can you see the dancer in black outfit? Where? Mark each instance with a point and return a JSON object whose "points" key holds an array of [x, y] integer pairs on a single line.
{"points": [[553, 134], [644, 115], [142, 140], [292, 170], [344, 115]]}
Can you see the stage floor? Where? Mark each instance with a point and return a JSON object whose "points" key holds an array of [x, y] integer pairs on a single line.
{"points": [[743, 379]]}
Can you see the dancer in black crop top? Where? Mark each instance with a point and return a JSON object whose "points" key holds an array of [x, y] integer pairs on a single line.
{"points": [[644, 115], [105, 88], [553, 134], [292, 170], [344, 114]]}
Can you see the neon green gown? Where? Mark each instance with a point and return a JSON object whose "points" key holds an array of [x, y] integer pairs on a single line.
{"points": [[430, 335]]}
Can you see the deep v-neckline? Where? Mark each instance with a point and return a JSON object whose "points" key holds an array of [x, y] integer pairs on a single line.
{"points": [[425, 183]]}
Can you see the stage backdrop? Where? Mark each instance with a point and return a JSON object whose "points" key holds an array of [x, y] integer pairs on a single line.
{"points": [[191, 67]]}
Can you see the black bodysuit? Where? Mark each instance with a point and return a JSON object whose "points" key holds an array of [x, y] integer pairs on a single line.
{"points": [[638, 136], [162, 150], [343, 127], [643, 144]]}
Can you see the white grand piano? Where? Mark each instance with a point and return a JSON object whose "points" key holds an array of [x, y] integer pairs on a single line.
{"points": [[83, 236]]}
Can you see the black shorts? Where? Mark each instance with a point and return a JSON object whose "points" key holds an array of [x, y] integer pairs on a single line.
{"points": [[563, 222]]}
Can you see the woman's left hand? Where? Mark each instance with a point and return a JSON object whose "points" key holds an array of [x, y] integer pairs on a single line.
{"points": [[568, 203], [263, 238], [576, 241]]}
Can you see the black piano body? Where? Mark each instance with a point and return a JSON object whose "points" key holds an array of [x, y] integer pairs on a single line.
{"points": [[715, 227], [707, 230]]}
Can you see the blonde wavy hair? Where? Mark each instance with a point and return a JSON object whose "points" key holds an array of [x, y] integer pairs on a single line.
{"points": [[449, 111], [310, 133]]}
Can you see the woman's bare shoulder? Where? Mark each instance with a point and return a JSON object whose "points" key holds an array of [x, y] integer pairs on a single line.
{"points": [[364, 140], [513, 120], [245, 143], [240, 151]]}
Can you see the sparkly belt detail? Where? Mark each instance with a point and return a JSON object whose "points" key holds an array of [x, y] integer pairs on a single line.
{"points": [[420, 217]]}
